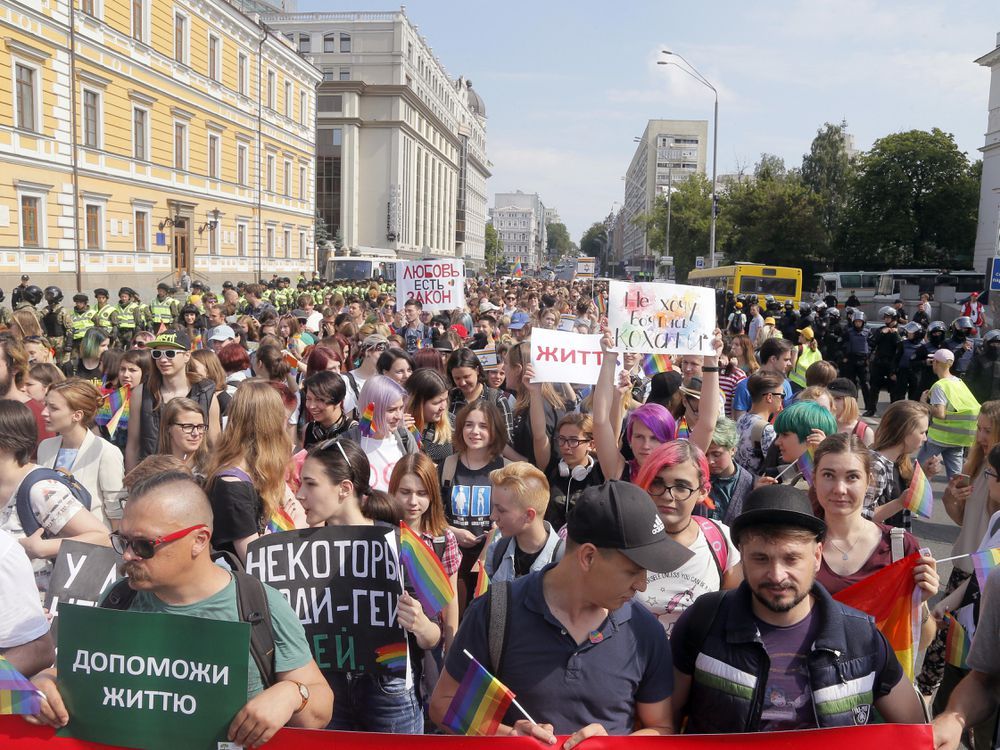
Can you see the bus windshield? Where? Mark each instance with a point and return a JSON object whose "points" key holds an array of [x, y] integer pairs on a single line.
{"points": [[353, 270], [761, 286]]}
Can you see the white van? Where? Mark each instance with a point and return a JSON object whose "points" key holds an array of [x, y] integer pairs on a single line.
{"points": [[841, 284]]}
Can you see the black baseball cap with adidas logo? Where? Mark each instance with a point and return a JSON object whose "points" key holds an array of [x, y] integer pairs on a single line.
{"points": [[619, 515]]}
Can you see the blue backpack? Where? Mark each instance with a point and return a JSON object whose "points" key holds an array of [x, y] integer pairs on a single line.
{"points": [[25, 514]]}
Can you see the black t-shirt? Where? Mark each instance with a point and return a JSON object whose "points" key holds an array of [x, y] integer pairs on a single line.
{"points": [[522, 436], [317, 433], [561, 487], [468, 499], [238, 513], [523, 560]]}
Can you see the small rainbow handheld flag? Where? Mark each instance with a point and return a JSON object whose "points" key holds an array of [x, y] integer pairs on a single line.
{"points": [[393, 657], [984, 561], [419, 438], [919, 497], [654, 363], [482, 582], [480, 703], [683, 431], [602, 306], [427, 576], [113, 412], [518, 271], [280, 521], [367, 422], [17, 694], [198, 342], [807, 466], [959, 637]]}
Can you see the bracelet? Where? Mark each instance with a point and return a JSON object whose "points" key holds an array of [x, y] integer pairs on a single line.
{"points": [[710, 369]]}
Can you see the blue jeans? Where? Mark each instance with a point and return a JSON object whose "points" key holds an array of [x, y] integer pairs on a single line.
{"points": [[374, 703], [950, 455]]}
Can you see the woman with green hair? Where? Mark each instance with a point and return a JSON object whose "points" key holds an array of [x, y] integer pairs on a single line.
{"points": [[803, 425]]}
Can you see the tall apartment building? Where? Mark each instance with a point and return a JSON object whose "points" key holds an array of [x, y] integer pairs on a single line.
{"points": [[158, 137], [988, 231], [519, 219], [668, 152], [401, 144]]}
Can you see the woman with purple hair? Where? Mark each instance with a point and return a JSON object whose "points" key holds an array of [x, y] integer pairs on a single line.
{"points": [[650, 425], [382, 432]]}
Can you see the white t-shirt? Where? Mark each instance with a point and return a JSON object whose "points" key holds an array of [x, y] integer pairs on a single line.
{"points": [[383, 455], [667, 595], [21, 617], [937, 397], [350, 400]]}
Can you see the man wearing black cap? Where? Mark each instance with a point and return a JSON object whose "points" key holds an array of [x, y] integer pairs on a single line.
{"points": [[103, 311], [778, 652], [579, 655], [18, 291]]}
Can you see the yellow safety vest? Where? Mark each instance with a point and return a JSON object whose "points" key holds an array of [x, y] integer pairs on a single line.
{"points": [[102, 317], [958, 428], [161, 312], [82, 322], [805, 359], [126, 315]]}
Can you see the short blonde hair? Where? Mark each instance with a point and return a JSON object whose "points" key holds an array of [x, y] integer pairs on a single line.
{"points": [[527, 484]]}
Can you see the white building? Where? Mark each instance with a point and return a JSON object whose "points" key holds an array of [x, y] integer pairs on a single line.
{"points": [[668, 152], [519, 219], [401, 145], [988, 232], [552, 216]]}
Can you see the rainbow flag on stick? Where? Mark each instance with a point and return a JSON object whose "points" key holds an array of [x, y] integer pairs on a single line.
{"points": [[367, 422], [17, 694], [482, 582], [280, 521], [683, 431], [654, 363], [427, 576], [984, 561], [419, 438], [480, 703], [919, 497], [893, 599], [807, 466], [113, 412], [602, 306], [960, 631], [198, 342]]}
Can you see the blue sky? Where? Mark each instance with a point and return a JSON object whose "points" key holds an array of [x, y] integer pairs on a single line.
{"points": [[567, 85]]}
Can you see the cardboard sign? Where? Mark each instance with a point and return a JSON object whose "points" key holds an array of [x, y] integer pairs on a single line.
{"points": [[151, 680], [488, 358], [586, 268], [657, 318], [559, 357], [437, 284], [344, 584], [82, 572]]}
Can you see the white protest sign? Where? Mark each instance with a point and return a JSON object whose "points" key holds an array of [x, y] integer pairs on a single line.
{"points": [[436, 284], [488, 358], [661, 318], [567, 321], [585, 268], [559, 357]]}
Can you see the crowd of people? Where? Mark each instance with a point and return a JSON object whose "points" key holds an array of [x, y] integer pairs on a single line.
{"points": [[663, 564]]}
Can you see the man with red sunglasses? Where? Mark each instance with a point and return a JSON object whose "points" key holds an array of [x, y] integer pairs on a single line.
{"points": [[164, 540]]}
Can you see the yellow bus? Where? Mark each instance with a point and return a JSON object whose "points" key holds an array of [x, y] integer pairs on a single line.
{"points": [[751, 278]]}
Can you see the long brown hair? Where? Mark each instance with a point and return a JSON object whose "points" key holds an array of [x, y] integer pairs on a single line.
{"points": [[977, 456], [432, 521], [838, 444], [171, 410], [899, 420], [520, 355]]}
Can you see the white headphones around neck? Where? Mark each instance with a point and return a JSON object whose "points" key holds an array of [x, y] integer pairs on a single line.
{"points": [[579, 473]]}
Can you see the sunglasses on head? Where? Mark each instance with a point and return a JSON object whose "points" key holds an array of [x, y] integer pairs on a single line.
{"points": [[168, 353], [146, 548]]}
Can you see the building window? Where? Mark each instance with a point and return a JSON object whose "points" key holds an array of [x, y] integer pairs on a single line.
{"points": [[91, 118], [180, 145], [270, 242], [330, 103], [286, 250], [329, 42], [140, 134], [141, 231], [180, 38], [302, 244], [89, 7], [214, 57], [270, 173], [303, 189], [345, 42], [288, 99], [345, 74], [328, 176], [31, 224], [241, 164], [303, 107], [243, 73], [139, 20], [214, 160], [213, 240], [305, 43], [241, 240], [287, 178], [271, 83], [93, 226], [27, 92]]}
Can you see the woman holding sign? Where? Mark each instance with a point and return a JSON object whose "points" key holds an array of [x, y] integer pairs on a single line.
{"points": [[335, 491]]}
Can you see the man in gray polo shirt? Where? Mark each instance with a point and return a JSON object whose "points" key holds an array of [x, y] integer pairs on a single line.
{"points": [[581, 657]]}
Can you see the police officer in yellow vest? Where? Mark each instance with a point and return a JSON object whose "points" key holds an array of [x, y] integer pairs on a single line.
{"points": [[103, 311], [57, 324], [806, 353], [954, 412], [162, 310], [83, 320], [126, 318]]}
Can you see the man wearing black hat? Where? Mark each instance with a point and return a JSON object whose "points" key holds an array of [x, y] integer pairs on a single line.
{"points": [[579, 655], [778, 653]]}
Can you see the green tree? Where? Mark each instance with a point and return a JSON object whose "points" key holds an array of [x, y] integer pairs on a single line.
{"points": [[594, 242], [494, 249], [321, 232], [914, 203], [690, 222], [827, 171], [557, 242], [770, 167]]}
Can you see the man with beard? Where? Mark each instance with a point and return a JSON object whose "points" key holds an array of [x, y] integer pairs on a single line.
{"points": [[778, 653], [164, 540]]}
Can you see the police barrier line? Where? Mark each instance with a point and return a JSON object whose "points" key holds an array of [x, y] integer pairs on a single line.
{"points": [[16, 734]]}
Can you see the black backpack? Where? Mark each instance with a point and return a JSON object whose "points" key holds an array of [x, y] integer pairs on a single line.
{"points": [[25, 514], [251, 602]]}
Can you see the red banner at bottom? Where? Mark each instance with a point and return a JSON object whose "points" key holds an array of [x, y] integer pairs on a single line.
{"points": [[16, 734]]}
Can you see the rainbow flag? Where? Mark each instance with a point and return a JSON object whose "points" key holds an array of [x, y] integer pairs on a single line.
{"points": [[683, 431], [418, 436], [198, 342], [113, 412], [280, 521], [919, 497], [654, 363], [984, 561], [17, 694], [518, 271], [393, 657], [959, 636], [480, 703], [807, 466], [292, 362], [367, 422], [890, 596], [602, 306], [427, 576], [482, 582]]}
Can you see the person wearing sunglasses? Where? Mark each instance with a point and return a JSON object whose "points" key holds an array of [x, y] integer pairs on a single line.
{"points": [[370, 350], [169, 378], [164, 541]]}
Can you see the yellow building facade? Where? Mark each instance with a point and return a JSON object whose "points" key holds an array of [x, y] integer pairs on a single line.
{"points": [[143, 138]]}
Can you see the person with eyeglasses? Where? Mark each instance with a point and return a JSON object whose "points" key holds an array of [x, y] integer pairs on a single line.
{"points": [[577, 468], [182, 434], [164, 541], [169, 378], [756, 434], [775, 356], [371, 349]]}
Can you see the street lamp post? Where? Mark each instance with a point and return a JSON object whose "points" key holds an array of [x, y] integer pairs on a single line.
{"points": [[696, 74]]}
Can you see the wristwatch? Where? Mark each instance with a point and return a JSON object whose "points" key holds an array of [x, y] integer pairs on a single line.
{"points": [[304, 693]]}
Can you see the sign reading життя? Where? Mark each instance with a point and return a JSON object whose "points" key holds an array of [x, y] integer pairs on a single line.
{"points": [[149, 680]]}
